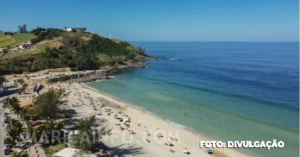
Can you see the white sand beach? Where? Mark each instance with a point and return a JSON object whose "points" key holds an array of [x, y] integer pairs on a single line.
{"points": [[144, 142]]}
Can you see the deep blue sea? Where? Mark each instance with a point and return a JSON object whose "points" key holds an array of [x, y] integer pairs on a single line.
{"points": [[226, 90]]}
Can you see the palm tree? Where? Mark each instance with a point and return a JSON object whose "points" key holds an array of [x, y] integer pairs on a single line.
{"points": [[87, 130], [14, 129], [25, 116], [14, 105]]}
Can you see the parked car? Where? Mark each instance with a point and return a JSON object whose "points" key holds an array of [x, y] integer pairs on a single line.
{"points": [[7, 151], [6, 114]]}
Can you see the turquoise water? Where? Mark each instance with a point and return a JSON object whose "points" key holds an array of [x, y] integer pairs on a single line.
{"points": [[225, 90]]}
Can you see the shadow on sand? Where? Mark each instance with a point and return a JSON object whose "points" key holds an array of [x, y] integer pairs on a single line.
{"points": [[120, 150]]}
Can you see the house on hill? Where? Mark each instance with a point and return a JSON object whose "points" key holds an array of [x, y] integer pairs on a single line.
{"points": [[7, 33], [25, 45], [68, 29]]}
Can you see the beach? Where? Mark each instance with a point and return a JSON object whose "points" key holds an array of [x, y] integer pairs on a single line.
{"points": [[209, 104], [85, 101]]}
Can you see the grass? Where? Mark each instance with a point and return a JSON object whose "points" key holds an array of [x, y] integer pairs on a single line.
{"points": [[19, 38], [6, 40], [58, 70], [24, 53], [51, 150], [117, 41]]}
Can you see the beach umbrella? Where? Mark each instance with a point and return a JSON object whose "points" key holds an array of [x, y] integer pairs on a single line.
{"points": [[208, 151]]}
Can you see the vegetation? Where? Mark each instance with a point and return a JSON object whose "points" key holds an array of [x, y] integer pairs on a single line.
{"points": [[47, 107], [19, 154], [2, 79], [47, 104], [21, 81], [13, 40], [51, 150], [13, 104], [23, 89], [65, 78], [22, 29], [77, 50], [26, 117], [88, 134], [45, 34], [13, 130], [24, 86]]}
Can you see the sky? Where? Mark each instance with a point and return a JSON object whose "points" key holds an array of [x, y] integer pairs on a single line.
{"points": [[161, 20]]}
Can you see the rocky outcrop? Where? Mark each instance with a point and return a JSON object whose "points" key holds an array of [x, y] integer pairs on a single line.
{"points": [[109, 71]]}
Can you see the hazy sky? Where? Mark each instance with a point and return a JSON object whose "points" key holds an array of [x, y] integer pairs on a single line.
{"points": [[162, 20]]}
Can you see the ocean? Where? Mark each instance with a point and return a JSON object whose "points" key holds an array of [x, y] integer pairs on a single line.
{"points": [[224, 90]]}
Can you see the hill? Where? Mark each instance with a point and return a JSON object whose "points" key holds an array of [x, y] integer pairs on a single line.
{"points": [[55, 48], [15, 39]]}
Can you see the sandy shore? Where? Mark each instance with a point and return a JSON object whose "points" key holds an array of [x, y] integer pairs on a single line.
{"points": [[86, 101]]}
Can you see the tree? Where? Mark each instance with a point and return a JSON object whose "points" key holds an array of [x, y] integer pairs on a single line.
{"points": [[14, 105], [21, 81], [82, 29], [88, 134], [47, 104], [13, 130], [19, 154], [141, 50], [2, 80], [24, 86], [22, 29], [26, 117], [38, 31]]}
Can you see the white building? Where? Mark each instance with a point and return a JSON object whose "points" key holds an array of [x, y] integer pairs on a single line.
{"points": [[68, 29]]}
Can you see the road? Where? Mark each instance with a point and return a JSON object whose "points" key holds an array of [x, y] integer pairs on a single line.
{"points": [[2, 129]]}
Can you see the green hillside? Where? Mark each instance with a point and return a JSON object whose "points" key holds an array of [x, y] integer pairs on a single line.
{"points": [[15, 39], [58, 49]]}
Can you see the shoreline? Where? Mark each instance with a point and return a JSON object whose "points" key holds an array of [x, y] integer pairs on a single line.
{"points": [[140, 109], [219, 152], [143, 110]]}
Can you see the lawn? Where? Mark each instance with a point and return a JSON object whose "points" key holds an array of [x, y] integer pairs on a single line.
{"points": [[15, 39], [6, 40], [19, 38]]}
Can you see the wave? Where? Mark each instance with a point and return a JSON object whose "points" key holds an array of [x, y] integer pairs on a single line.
{"points": [[270, 103], [111, 77], [173, 59]]}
